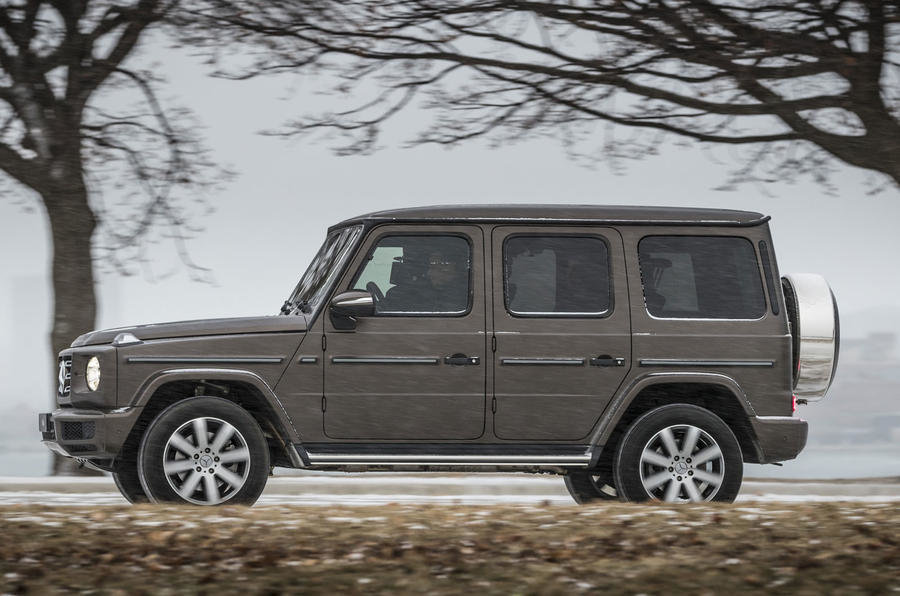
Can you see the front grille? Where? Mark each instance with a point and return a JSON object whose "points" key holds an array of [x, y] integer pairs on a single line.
{"points": [[65, 376], [78, 431]]}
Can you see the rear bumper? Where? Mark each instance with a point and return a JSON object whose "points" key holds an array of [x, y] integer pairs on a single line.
{"points": [[779, 437], [94, 436]]}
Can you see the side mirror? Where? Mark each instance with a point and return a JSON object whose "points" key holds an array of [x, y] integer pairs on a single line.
{"points": [[346, 307]]}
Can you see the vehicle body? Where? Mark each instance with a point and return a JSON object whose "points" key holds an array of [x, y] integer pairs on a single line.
{"points": [[606, 344]]}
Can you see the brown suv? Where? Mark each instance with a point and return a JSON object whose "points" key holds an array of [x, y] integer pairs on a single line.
{"points": [[642, 353]]}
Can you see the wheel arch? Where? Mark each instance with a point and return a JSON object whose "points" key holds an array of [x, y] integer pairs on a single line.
{"points": [[242, 387], [717, 393]]}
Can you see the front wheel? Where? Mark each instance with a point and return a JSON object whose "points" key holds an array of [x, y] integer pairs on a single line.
{"points": [[679, 453], [204, 451], [128, 480]]}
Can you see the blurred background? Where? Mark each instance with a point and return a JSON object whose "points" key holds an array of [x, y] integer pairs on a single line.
{"points": [[257, 233]]}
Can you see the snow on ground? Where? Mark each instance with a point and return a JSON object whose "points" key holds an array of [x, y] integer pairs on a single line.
{"points": [[475, 489]]}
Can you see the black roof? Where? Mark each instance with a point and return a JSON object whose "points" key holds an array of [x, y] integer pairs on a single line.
{"points": [[606, 214]]}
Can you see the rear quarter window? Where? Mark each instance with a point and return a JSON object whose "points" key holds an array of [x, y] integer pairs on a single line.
{"points": [[701, 277]]}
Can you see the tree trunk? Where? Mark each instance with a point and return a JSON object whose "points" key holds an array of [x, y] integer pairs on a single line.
{"points": [[72, 225]]}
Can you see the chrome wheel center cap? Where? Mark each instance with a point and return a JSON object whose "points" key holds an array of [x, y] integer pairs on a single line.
{"points": [[206, 461], [681, 467]]}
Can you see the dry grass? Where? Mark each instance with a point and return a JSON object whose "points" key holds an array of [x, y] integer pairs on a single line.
{"points": [[778, 548]]}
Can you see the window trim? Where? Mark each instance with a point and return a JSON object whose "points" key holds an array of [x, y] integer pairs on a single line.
{"points": [[765, 309], [421, 314], [557, 315]]}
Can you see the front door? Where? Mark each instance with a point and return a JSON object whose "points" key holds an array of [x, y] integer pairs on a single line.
{"points": [[416, 369], [561, 322]]}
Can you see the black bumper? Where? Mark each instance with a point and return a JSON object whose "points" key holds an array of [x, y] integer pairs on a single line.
{"points": [[779, 437], [91, 435]]}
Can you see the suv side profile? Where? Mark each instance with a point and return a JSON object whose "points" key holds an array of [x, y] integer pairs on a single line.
{"points": [[641, 353]]}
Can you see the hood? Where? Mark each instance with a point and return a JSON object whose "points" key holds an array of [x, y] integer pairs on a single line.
{"points": [[268, 324]]}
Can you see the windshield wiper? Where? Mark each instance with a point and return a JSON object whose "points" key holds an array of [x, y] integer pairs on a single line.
{"points": [[288, 307]]}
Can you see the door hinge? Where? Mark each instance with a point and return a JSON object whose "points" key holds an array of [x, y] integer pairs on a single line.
{"points": [[493, 343], [494, 405], [324, 343], [323, 403]]}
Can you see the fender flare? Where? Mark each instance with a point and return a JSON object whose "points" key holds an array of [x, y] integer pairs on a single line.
{"points": [[620, 404], [158, 379]]}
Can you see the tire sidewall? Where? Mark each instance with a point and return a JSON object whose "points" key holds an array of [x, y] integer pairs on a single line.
{"points": [[627, 463], [128, 482], [150, 455], [583, 488]]}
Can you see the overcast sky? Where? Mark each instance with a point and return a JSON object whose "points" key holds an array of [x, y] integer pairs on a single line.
{"points": [[269, 222]]}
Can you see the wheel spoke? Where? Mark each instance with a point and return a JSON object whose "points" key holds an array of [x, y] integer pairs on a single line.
{"points": [[653, 481], [178, 465], [212, 491], [707, 454], [690, 441], [200, 433], [227, 457], [704, 476], [221, 437], [668, 440], [657, 459], [182, 444], [692, 491], [190, 485], [672, 491], [230, 477]]}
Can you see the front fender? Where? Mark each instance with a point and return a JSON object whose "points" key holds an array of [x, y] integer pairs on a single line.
{"points": [[157, 380]]}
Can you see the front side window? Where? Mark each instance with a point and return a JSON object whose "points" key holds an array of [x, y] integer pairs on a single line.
{"points": [[556, 276], [701, 277], [418, 275]]}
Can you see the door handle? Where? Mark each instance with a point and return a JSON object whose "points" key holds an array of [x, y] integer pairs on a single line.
{"points": [[607, 360], [461, 360]]}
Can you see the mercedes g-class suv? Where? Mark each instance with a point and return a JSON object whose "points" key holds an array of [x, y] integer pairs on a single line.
{"points": [[641, 353]]}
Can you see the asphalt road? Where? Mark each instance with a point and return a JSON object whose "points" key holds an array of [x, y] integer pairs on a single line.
{"points": [[473, 489]]}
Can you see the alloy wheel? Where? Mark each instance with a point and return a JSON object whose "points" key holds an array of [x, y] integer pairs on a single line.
{"points": [[682, 463], [206, 461]]}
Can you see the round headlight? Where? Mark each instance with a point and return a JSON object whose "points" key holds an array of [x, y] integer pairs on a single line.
{"points": [[92, 373]]}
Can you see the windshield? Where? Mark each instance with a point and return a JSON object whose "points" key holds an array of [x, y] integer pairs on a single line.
{"points": [[321, 271]]}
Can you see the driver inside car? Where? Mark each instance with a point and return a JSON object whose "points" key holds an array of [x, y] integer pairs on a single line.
{"points": [[432, 282]]}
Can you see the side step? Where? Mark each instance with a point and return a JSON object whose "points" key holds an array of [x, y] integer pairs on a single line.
{"points": [[392, 454]]}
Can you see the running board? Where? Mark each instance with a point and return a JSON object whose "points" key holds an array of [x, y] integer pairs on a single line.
{"points": [[364, 455]]}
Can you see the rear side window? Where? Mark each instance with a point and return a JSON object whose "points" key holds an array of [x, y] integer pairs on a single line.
{"points": [[701, 277], [556, 276]]}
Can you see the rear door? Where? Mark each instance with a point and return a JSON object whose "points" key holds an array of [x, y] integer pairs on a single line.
{"points": [[562, 329]]}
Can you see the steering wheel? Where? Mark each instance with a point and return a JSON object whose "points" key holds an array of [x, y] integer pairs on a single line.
{"points": [[376, 292]]}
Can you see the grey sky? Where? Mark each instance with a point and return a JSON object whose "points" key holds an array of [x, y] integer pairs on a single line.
{"points": [[269, 222]]}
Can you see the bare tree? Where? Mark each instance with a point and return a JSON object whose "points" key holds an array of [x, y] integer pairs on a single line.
{"points": [[797, 84], [59, 140]]}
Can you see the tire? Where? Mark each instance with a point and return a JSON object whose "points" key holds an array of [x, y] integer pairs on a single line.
{"points": [[709, 470], [586, 486], [128, 481], [204, 451]]}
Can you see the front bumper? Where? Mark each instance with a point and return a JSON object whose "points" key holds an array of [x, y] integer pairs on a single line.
{"points": [[93, 436], [779, 437]]}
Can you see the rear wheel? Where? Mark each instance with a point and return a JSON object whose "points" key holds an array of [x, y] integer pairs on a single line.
{"points": [[204, 451], [586, 486], [679, 453]]}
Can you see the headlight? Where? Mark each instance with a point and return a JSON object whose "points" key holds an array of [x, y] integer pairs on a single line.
{"points": [[92, 373]]}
